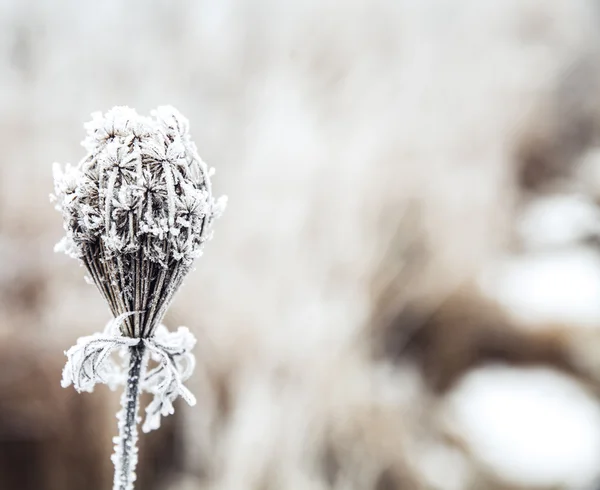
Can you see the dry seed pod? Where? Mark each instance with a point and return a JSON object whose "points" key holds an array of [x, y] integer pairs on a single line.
{"points": [[137, 211]]}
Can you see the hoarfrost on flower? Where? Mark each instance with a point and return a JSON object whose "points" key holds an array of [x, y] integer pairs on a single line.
{"points": [[91, 361], [137, 210], [172, 352]]}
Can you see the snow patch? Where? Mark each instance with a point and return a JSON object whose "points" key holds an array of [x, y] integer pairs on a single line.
{"points": [[533, 427]]}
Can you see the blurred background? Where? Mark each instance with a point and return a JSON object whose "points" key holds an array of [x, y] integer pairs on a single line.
{"points": [[404, 292]]}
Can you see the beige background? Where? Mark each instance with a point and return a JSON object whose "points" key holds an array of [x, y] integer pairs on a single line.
{"points": [[404, 292]]}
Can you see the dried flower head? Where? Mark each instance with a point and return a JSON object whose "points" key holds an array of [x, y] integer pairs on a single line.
{"points": [[137, 210]]}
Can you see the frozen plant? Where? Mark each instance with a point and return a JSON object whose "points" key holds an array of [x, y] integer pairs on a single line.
{"points": [[137, 211]]}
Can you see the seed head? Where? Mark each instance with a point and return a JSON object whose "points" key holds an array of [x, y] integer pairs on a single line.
{"points": [[137, 210]]}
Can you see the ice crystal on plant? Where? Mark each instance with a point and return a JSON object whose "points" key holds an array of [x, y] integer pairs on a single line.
{"points": [[91, 361], [172, 352]]}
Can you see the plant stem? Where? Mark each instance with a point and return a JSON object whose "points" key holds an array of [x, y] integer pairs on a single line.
{"points": [[126, 452]]}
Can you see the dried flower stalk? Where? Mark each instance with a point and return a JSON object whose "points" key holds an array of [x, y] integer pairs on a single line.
{"points": [[137, 211]]}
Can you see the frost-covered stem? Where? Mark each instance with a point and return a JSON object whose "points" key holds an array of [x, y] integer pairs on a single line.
{"points": [[126, 452]]}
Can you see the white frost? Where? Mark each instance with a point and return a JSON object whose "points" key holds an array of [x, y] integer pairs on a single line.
{"points": [[176, 363], [91, 361]]}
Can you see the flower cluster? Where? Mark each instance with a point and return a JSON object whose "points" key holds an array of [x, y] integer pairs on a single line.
{"points": [[141, 186], [137, 210]]}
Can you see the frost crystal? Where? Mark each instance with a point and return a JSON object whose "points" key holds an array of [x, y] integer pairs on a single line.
{"points": [[91, 361], [172, 352]]}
